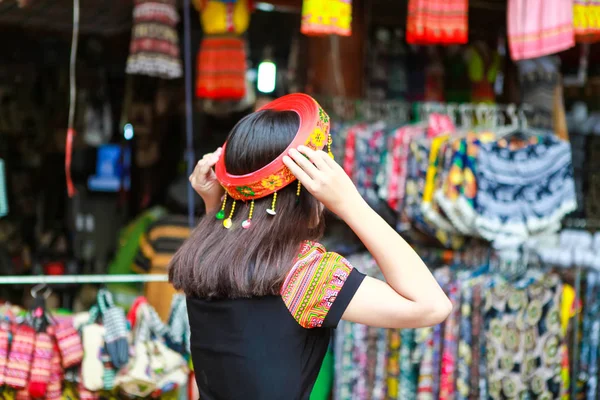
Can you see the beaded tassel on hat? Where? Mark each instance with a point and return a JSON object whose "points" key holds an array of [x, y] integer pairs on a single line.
{"points": [[271, 211], [329, 142], [298, 192], [221, 213], [247, 223], [227, 223]]}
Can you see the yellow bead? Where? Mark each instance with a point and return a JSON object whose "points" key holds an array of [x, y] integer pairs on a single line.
{"points": [[227, 223]]}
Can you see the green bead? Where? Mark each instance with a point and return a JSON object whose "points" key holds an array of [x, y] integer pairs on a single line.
{"points": [[221, 214]]}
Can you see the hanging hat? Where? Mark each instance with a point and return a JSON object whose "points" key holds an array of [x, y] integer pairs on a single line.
{"points": [[313, 132]]}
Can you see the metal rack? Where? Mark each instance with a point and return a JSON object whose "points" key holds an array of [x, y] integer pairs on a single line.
{"points": [[81, 279]]}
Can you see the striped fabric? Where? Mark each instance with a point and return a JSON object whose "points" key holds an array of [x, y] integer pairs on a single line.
{"points": [[313, 284], [54, 391], [3, 354], [539, 28], [437, 22], [154, 49], [41, 366], [69, 345], [221, 73], [19, 361], [109, 373], [115, 325]]}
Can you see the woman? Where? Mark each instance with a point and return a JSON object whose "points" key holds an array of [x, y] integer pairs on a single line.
{"points": [[263, 295]]}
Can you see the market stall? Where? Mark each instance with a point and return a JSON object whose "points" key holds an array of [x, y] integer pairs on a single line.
{"points": [[470, 126]]}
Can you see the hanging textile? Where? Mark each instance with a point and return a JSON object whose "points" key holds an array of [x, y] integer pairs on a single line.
{"points": [[586, 20], [539, 28], [154, 49], [523, 191], [326, 17], [451, 184], [504, 340], [539, 79], [437, 22], [91, 354], [221, 61]]}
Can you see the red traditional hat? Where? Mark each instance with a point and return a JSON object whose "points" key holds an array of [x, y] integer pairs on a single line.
{"points": [[313, 132]]}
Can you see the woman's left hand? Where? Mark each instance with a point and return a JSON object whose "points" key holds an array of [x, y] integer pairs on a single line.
{"points": [[204, 181]]}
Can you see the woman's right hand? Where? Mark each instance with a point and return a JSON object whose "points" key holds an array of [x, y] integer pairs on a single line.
{"points": [[204, 181], [325, 179]]}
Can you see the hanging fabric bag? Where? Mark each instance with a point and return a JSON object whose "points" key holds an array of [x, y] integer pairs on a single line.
{"points": [[115, 326]]}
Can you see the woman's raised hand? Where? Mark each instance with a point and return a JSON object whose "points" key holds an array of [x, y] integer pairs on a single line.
{"points": [[204, 181], [325, 179]]}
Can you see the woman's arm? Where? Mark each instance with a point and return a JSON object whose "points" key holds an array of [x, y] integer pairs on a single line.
{"points": [[410, 297]]}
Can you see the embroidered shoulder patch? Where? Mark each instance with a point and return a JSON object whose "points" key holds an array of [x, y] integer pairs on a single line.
{"points": [[313, 284]]}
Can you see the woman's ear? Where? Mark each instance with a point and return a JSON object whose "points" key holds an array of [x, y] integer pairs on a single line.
{"points": [[318, 214]]}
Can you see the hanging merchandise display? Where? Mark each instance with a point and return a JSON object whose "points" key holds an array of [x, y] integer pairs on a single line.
{"points": [[504, 184], [539, 28], [437, 22], [586, 19], [43, 356], [221, 61], [154, 49], [326, 17], [506, 338]]}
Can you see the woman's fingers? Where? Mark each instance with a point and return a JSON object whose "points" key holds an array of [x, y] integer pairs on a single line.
{"points": [[297, 171], [206, 163], [330, 161], [316, 157], [304, 163]]}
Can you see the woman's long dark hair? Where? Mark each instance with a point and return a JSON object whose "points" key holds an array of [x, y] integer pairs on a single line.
{"points": [[230, 263]]}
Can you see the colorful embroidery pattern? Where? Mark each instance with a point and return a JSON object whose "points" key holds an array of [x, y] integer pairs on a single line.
{"points": [[282, 177], [313, 284], [437, 22], [326, 17], [586, 20]]}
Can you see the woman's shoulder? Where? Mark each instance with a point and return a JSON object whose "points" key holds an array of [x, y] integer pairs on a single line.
{"points": [[313, 260], [313, 285]]}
